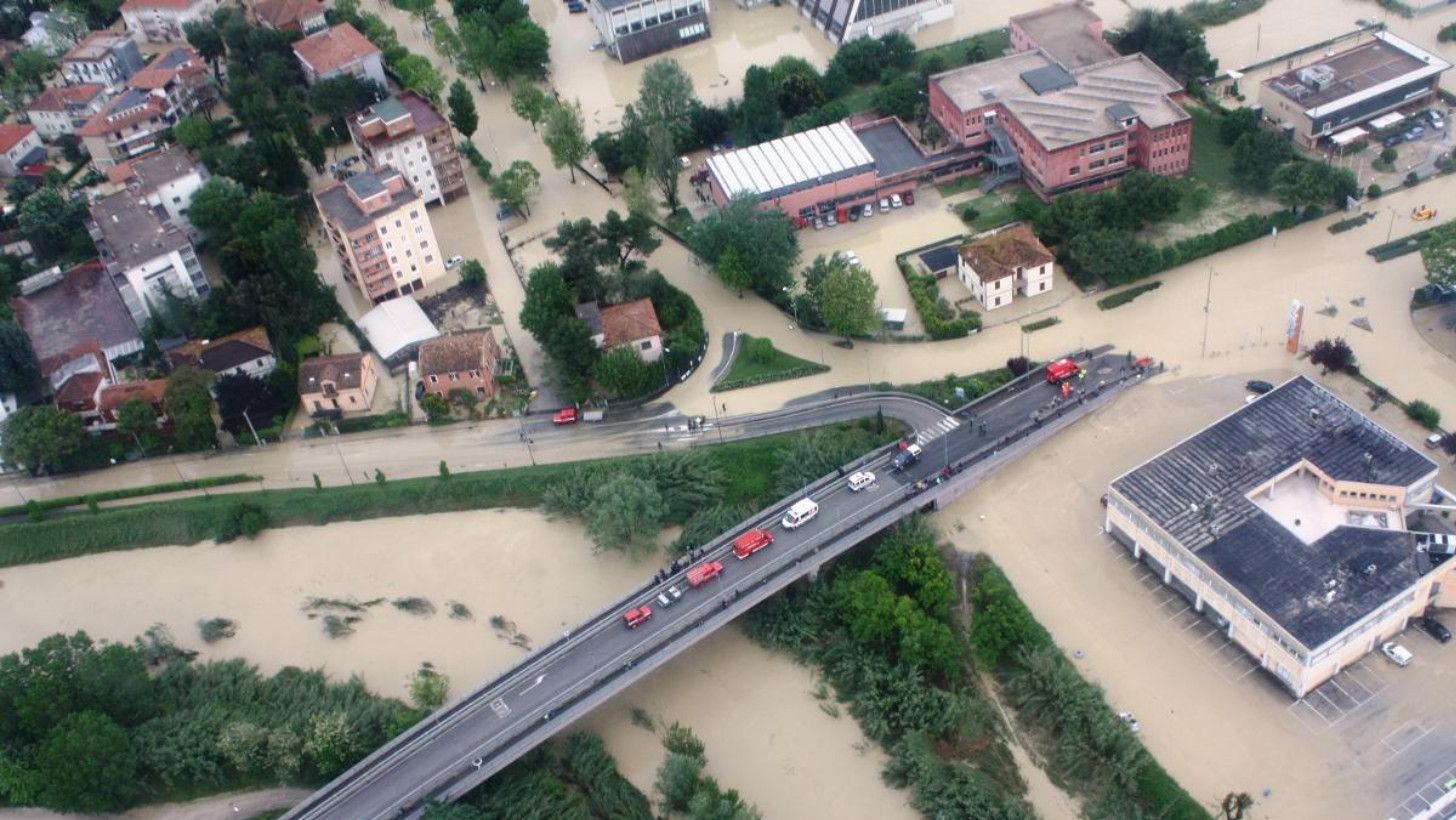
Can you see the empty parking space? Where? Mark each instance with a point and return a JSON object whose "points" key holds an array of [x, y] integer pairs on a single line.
{"points": [[1426, 796], [1339, 697]]}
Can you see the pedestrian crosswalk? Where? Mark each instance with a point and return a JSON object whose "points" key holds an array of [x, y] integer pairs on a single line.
{"points": [[942, 427]]}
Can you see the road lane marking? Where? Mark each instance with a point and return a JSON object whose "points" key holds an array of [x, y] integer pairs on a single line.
{"points": [[500, 708], [533, 685]]}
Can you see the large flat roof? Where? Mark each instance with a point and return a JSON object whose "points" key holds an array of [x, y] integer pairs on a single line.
{"points": [[1371, 68], [791, 163], [1064, 30], [891, 148], [1067, 113], [1197, 491]]}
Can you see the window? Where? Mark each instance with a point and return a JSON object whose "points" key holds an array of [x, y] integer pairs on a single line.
{"points": [[1095, 164], [1116, 159], [646, 344], [398, 224], [434, 379], [1116, 143], [454, 377], [1074, 170], [1097, 149]]}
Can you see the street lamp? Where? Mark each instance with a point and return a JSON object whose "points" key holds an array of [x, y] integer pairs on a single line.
{"points": [[1391, 229]]}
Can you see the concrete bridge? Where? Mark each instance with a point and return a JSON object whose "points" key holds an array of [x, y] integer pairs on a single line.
{"points": [[446, 755]]}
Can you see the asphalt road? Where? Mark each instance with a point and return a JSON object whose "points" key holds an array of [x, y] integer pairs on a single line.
{"points": [[487, 726]]}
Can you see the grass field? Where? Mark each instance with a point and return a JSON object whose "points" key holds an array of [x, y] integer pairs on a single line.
{"points": [[759, 362]]}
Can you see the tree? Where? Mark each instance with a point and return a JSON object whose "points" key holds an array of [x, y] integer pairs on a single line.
{"points": [[565, 136], [516, 186], [472, 274], [621, 372], [1334, 355], [764, 239], [86, 764], [338, 97], [1438, 252], [637, 193], [677, 780], [54, 223], [1148, 197], [799, 86], [1310, 184], [18, 368], [194, 132], [242, 399], [1169, 38], [189, 404], [429, 689], [1256, 155], [901, 97], [523, 50], [620, 237], [626, 513], [41, 437], [215, 207], [665, 97], [548, 298], [1236, 123], [662, 162], [462, 109], [417, 73], [29, 68], [847, 301], [134, 417], [759, 112], [207, 41], [530, 103]]}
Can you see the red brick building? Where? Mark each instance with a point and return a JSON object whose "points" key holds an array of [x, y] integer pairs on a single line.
{"points": [[463, 361], [1065, 113]]}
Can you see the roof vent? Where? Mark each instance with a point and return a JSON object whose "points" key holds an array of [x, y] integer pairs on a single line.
{"points": [[1370, 569], [988, 92], [1329, 596], [1314, 415]]}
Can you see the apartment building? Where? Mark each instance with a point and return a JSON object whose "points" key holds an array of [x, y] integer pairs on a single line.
{"points": [[162, 21], [146, 255], [337, 51], [1292, 524], [107, 58], [165, 178], [170, 87], [382, 233], [60, 310], [57, 112], [19, 146], [998, 264], [406, 133]]}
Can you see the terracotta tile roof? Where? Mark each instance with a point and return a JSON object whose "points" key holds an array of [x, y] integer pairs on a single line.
{"points": [[998, 256], [169, 67], [334, 48], [61, 99], [122, 111], [80, 350], [346, 372], [114, 396], [458, 353], [79, 391], [137, 5], [281, 14], [629, 322], [224, 353], [11, 134]]}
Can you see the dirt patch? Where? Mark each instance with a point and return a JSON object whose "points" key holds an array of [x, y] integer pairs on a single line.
{"points": [[461, 308], [1225, 207]]}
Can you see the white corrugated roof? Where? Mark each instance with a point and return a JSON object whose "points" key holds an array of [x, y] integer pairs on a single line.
{"points": [[790, 161]]}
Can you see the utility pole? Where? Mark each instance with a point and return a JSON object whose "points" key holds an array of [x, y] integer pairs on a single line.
{"points": [[252, 429], [342, 462], [1207, 309]]}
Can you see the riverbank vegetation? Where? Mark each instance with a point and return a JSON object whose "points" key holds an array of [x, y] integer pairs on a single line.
{"points": [[742, 475], [91, 727], [942, 391], [759, 362], [880, 629]]}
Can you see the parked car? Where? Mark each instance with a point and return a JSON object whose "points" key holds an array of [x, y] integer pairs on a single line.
{"points": [[909, 197], [1414, 133], [576, 8], [1392, 141], [1132, 722], [1434, 440], [830, 220], [818, 224], [868, 210], [1398, 655], [852, 258], [854, 214], [566, 415], [860, 480], [885, 205], [1259, 386], [896, 201], [1438, 122], [453, 261], [669, 596], [1435, 629]]}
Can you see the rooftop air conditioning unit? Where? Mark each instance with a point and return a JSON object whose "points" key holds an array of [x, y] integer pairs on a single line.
{"points": [[1318, 77]]}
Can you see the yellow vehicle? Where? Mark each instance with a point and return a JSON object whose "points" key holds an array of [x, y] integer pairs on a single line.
{"points": [[1422, 213]]}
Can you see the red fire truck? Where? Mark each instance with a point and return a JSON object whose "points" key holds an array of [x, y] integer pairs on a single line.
{"points": [[704, 572], [638, 616], [751, 542], [1061, 370]]}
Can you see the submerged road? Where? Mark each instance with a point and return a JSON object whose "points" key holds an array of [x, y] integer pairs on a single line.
{"points": [[452, 751]]}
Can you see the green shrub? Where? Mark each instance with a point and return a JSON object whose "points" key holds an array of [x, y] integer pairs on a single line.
{"points": [[1040, 324], [1122, 297], [926, 296], [1424, 414], [213, 630], [245, 520]]}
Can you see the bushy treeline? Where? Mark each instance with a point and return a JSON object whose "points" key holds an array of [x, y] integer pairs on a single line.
{"points": [[88, 727], [579, 782], [1089, 750], [685, 791], [880, 633]]}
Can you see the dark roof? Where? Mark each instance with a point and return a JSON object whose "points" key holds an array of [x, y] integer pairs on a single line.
{"points": [[81, 306], [1121, 111], [338, 207], [1197, 490], [134, 232], [1048, 78], [345, 371], [224, 353], [942, 258], [891, 147]]}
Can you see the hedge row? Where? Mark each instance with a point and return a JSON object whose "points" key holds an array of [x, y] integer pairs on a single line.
{"points": [[765, 378], [1387, 251], [925, 295], [130, 492], [1040, 324], [1122, 297]]}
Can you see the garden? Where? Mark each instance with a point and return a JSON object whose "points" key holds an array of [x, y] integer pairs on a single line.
{"points": [[757, 361]]}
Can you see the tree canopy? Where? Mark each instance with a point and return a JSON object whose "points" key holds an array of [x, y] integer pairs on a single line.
{"points": [[764, 240], [565, 136], [1438, 253], [41, 437], [846, 299], [1169, 38], [462, 109]]}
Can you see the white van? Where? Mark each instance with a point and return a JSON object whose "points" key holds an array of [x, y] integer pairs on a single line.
{"points": [[802, 511], [860, 480]]}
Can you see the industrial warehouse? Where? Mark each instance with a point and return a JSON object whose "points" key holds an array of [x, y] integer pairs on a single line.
{"points": [[1295, 525]]}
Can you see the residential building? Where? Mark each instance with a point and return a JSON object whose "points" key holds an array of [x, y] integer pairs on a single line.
{"points": [[162, 21], [165, 178], [107, 58], [337, 384], [999, 264], [461, 361], [113, 396], [306, 16], [406, 133], [826, 171], [171, 86], [633, 29], [1062, 128], [77, 377], [19, 146], [147, 256], [1070, 33], [631, 323], [1291, 524], [57, 112], [63, 310], [382, 233], [337, 51], [245, 353], [845, 20], [1340, 91], [395, 329]]}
